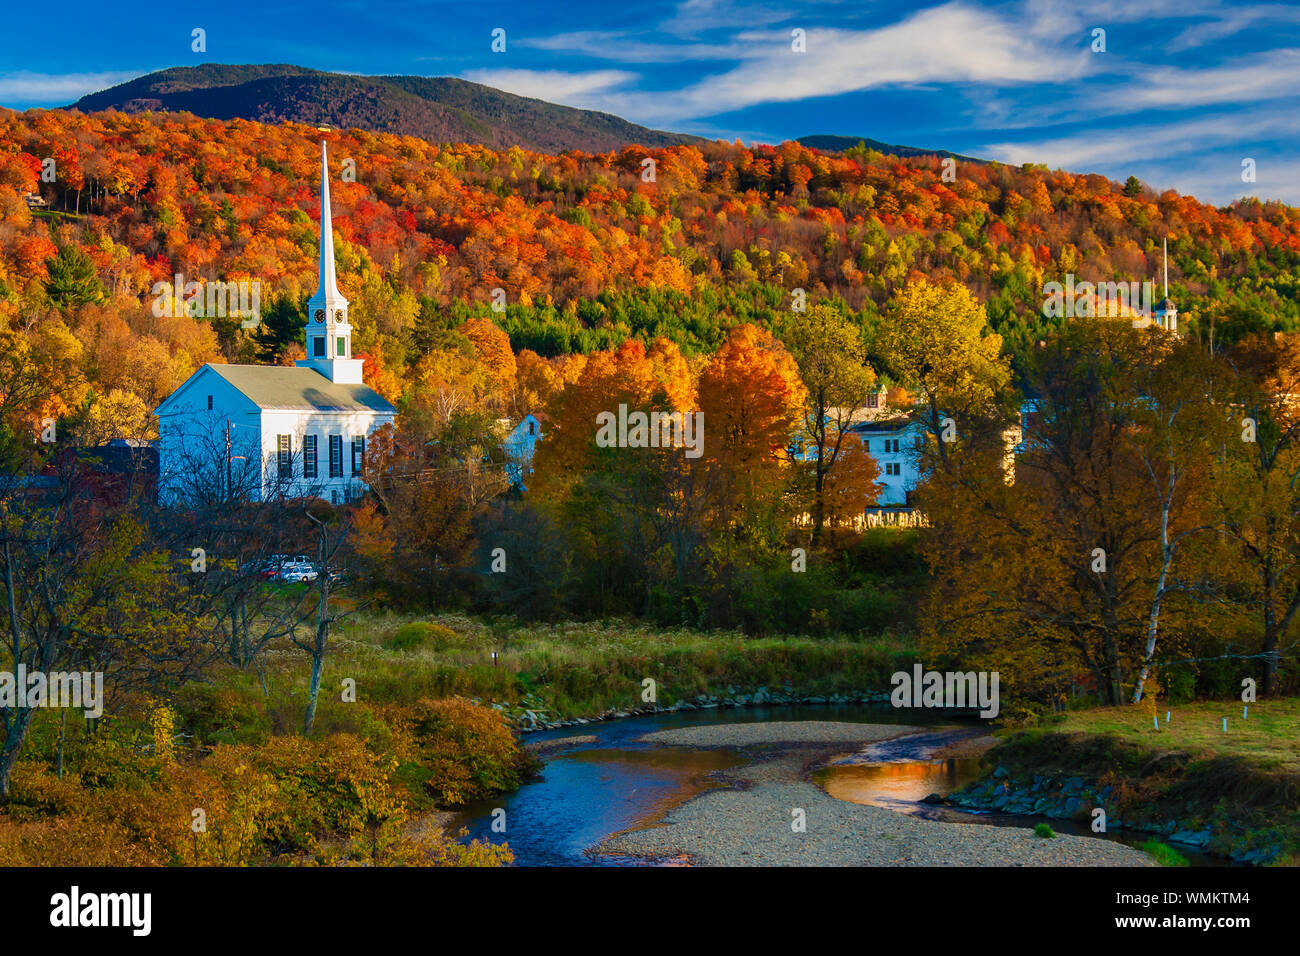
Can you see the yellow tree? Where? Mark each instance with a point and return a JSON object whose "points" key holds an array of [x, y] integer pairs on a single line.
{"points": [[1257, 492], [936, 340], [829, 350]]}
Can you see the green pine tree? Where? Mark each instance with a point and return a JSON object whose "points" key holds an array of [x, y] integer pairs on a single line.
{"points": [[283, 321], [72, 280]]}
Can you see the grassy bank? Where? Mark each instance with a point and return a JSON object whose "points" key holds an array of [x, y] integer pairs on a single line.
{"points": [[1234, 793], [583, 669], [1269, 735]]}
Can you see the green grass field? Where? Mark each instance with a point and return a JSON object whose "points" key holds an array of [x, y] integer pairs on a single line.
{"points": [[1269, 735]]}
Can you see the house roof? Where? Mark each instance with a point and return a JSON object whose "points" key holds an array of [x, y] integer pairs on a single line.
{"points": [[292, 387], [886, 425]]}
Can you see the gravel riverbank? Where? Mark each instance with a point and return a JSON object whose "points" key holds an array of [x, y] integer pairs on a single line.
{"points": [[748, 822]]}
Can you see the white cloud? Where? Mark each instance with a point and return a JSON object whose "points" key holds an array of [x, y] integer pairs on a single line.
{"points": [[61, 88], [613, 45], [1237, 20], [694, 17], [952, 43], [1217, 179], [1094, 147], [1259, 77], [555, 86]]}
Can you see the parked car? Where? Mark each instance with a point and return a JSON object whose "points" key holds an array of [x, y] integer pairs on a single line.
{"points": [[296, 572], [281, 567]]}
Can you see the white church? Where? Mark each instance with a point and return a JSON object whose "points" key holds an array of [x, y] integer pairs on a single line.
{"points": [[263, 431]]}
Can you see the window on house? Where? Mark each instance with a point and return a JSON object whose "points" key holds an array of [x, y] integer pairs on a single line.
{"points": [[532, 428], [358, 455], [318, 346], [920, 442], [336, 456], [284, 452], [873, 400], [866, 445], [892, 468], [309, 457], [895, 444], [209, 403]]}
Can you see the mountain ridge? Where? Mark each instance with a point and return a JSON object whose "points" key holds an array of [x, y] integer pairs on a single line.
{"points": [[436, 109]]}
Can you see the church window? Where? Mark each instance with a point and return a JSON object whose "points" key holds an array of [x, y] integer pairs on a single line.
{"points": [[358, 455], [309, 457], [342, 346], [318, 346], [336, 456], [284, 452]]}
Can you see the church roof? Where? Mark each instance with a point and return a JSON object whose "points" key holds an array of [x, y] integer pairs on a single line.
{"points": [[1166, 305], [291, 387]]}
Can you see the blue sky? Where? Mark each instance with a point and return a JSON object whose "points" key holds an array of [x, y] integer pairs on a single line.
{"points": [[1184, 92]]}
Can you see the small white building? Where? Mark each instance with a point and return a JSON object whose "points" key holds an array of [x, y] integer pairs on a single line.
{"points": [[258, 431], [518, 449]]}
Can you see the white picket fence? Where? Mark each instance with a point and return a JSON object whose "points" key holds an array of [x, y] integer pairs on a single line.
{"points": [[909, 518]]}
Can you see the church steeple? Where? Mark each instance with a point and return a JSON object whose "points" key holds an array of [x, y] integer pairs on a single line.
{"points": [[329, 335], [327, 290], [1166, 313]]}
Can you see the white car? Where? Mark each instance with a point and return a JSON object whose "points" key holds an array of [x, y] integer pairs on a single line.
{"points": [[297, 572]]}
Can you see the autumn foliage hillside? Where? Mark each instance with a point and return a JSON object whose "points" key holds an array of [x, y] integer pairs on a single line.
{"points": [[587, 252]]}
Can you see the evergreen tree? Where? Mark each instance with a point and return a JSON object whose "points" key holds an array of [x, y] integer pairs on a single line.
{"points": [[72, 280], [283, 322]]}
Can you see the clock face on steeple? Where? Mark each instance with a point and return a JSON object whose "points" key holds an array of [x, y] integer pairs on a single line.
{"points": [[338, 315], [320, 315]]}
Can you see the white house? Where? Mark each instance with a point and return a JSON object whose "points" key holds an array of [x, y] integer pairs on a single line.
{"points": [[518, 448], [259, 430], [895, 444]]}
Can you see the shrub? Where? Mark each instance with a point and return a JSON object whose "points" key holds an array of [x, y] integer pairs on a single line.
{"points": [[1166, 854], [419, 634], [1044, 830], [464, 751]]}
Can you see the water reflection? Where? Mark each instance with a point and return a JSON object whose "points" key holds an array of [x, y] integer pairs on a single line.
{"points": [[585, 796], [898, 786], [899, 774]]}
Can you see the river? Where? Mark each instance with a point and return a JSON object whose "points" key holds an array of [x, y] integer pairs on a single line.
{"points": [[612, 782]]}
